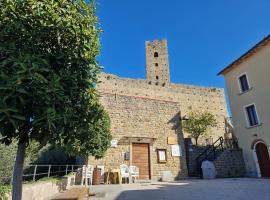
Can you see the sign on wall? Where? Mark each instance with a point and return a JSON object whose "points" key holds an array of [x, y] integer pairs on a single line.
{"points": [[176, 150], [114, 143], [172, 140], [161, 155]]}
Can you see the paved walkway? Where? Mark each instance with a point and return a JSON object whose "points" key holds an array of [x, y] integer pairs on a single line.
{"points": [[76, 193], [218, 189]]}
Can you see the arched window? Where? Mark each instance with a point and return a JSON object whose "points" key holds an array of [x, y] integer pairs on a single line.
{"points": [[156, 64], [157, 77], [156, 54]]}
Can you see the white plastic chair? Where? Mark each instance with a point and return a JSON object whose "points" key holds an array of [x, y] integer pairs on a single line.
{"points": [[124, 172], [87, 173], [134, 173]]}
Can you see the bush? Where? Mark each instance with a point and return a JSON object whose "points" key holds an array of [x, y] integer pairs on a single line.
{"points": [[7, 154], [4, 191], [48, 155], [51, 155], [35, 155]]}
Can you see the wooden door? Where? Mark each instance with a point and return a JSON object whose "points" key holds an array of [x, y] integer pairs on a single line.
{"points": [[140, 158], [263, 159]]}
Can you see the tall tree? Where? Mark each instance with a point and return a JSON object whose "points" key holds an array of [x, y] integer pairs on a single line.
{"points": [[198, 124], [96, 141], [48, 72]]}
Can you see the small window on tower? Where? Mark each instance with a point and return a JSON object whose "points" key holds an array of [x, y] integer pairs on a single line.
{"points": [[157, 77], [156, 64], [156, 54]]}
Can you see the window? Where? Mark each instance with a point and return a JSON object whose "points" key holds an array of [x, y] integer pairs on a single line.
{"points": [[157, 77], [243, 81], [252, 116], [156, 54], [156, 64]]}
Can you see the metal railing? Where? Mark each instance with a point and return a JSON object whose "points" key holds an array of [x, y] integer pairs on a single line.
{"points": [[210, 152], [34, 172], [214, 150]]}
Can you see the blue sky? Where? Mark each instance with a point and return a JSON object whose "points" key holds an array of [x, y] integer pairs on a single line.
{"points": [[203, 36]]}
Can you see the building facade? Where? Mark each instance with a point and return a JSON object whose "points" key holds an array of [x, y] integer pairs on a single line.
{"points": [[247, 81], [145, 116]]}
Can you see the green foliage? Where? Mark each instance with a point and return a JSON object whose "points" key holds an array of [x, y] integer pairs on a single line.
{"points": [[48, 63], [32, 152], [96, 141], [53, 179], [4, 191], [50, 154], [7, 154], [199, 123], [48, 71], [35, 154]]}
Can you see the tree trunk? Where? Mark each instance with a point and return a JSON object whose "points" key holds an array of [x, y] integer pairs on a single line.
{"points": [[18, 172], [196, 141]]}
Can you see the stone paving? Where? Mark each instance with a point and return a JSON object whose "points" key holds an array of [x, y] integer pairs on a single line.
{"points": [[218, 189]]}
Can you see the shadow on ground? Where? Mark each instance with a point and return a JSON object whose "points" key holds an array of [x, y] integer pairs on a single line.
{"points": [[218, 189]]}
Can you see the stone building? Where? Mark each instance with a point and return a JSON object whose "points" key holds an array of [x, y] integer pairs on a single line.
{"points": [[146, 116], [247, 81]]}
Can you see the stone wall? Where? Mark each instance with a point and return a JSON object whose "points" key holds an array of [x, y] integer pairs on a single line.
{"points": [[45, 190], [143, 120], [157, 67], [230, 164], [193, 153], [189, 97], [147, 109]]}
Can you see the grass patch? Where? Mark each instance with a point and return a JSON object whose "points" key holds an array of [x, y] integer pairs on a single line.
{"points": [[53, 179]]}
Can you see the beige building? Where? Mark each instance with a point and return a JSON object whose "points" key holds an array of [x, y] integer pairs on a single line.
{"points": [[145, 116], [248, 88]]}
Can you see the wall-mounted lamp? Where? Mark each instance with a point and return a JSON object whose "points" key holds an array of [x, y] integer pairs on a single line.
{"points": [[184, 118]]}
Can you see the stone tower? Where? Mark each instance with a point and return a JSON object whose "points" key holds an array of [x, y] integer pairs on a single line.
{"points": [[157, 64]]}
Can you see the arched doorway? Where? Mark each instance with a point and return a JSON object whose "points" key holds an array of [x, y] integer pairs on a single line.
{"points": [[263, 158]]}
